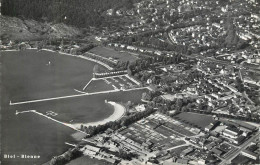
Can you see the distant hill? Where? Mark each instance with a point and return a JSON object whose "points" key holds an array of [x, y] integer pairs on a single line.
{"points": [[80, 13], [18, 29]]}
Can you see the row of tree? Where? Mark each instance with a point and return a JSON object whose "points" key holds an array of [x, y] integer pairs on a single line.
{"points": [[93, 130], [66, 157]]}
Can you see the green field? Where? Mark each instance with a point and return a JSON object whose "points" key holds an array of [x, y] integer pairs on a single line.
{"points": [[109, 52], [196, 119]]}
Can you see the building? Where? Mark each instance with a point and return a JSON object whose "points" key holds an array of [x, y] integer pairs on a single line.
{"points": [[231, 131], [229, 134], [239, 140], [140, 108], [186, 152], [210, 145], [208, 128], [182, 161], [110, 160], [212, 125], [249, 154], [92, 148], [217, 151]]}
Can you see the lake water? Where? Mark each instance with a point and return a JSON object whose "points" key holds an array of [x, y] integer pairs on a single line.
{"points": [[25, 76]]}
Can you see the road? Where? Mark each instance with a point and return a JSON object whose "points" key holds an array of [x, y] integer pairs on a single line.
{"points": [[177, 147], [242, 147]]}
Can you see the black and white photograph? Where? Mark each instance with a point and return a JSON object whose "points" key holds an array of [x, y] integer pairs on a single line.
{"points": [[129, 82]]}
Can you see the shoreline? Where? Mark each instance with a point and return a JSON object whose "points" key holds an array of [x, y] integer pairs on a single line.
{"points": [[80, 56], [67, 54], [119, 112]]}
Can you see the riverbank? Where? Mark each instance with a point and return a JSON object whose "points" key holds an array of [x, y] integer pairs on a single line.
{"points": [[119, 112]]}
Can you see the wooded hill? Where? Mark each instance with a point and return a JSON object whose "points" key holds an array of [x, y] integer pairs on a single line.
{"points": [[80, 13]]}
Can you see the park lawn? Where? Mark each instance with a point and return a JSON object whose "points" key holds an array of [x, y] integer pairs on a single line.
{"points": [[200, 120], [109, 52]]}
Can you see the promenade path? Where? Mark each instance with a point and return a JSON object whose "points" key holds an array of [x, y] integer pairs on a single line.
{"points": [[72, 96]]}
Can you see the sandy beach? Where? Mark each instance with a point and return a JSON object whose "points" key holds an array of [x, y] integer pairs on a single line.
{"points": [[119, 111]]}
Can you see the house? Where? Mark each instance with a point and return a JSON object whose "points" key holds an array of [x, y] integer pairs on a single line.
{"points": [[193, 139], [191, 88], [149, 81], [119, 12], [158, 53], [140, 108], [110, 12], [131, 48]]}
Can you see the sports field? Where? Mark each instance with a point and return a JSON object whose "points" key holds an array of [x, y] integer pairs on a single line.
{"points": [[109, 52], [194, 118]]}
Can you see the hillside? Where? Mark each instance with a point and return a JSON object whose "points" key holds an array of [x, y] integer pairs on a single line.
{"points": [[79, 13], [18, 29]]}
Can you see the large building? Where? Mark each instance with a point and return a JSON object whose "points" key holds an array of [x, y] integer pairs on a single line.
{"points": [[231, 131], [249, 154]]}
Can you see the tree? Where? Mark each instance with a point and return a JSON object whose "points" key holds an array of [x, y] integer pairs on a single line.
{"points": [[146, 96], [184, 108], [68, 155], [179, 103]]}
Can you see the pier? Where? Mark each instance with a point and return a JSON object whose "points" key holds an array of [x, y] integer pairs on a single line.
{"points": [[57, 121], [72, 96]]}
